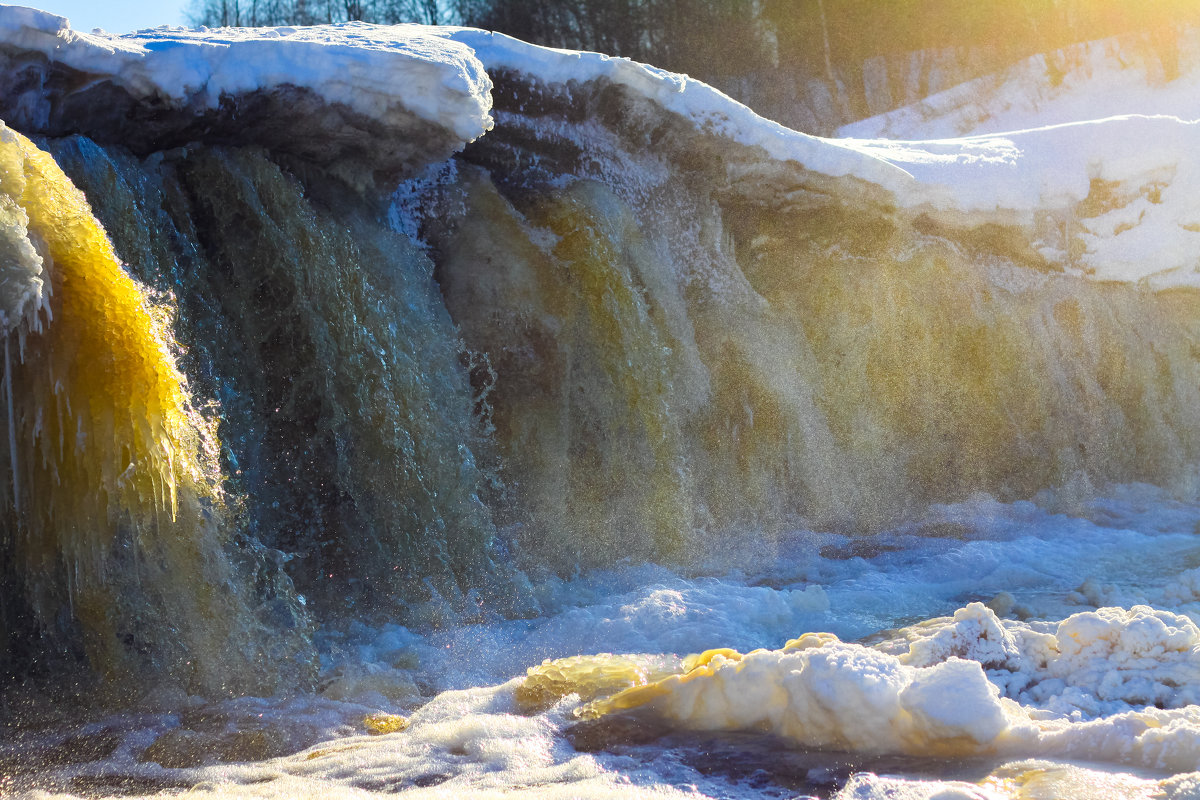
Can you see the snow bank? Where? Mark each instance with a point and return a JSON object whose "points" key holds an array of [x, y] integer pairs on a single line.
{"points": [[1125, 186], [383, 83], [1091, 80]]}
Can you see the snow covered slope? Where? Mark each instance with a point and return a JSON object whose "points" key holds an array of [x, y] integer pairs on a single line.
{"points": [[1092, 80]]}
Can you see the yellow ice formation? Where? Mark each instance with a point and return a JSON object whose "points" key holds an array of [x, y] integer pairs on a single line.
{"points": [[588, 677], [383, 723], [110, 478], [607, 683]]}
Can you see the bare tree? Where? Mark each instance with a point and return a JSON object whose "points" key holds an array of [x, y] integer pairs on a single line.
{"points": [[235, 13]]}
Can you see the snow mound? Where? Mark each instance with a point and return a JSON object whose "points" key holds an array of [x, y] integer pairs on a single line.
{"points": [[328, 93]]}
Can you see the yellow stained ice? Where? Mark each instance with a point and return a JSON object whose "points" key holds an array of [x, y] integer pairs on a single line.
{"points": [[645, 691], [105, 343], [607, 683], [383, 723], [588, 677], [810, 639], [112, 474]]}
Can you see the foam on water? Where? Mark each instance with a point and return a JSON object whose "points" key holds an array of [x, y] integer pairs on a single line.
{"points": [[1038, 672]]}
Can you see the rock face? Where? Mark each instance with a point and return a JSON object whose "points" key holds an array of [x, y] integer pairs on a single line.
{"points": [[615, 315]]}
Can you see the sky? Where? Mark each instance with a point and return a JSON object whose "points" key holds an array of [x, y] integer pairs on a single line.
{"points": [[115, 16]]}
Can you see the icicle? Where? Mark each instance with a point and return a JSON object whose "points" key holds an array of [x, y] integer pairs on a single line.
{"points": [[12, 428]]}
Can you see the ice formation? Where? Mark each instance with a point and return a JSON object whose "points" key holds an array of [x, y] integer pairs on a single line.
{"points": [[1112, 683], [23, 276], [106, 455]]}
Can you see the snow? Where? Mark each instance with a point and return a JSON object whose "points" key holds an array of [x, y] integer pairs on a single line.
{"points": [[360, 66], [1092, 80], [1148, 231]]}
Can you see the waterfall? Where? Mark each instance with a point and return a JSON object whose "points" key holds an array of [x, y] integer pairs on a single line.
{"points": [[114, 512], [249, 392]]}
